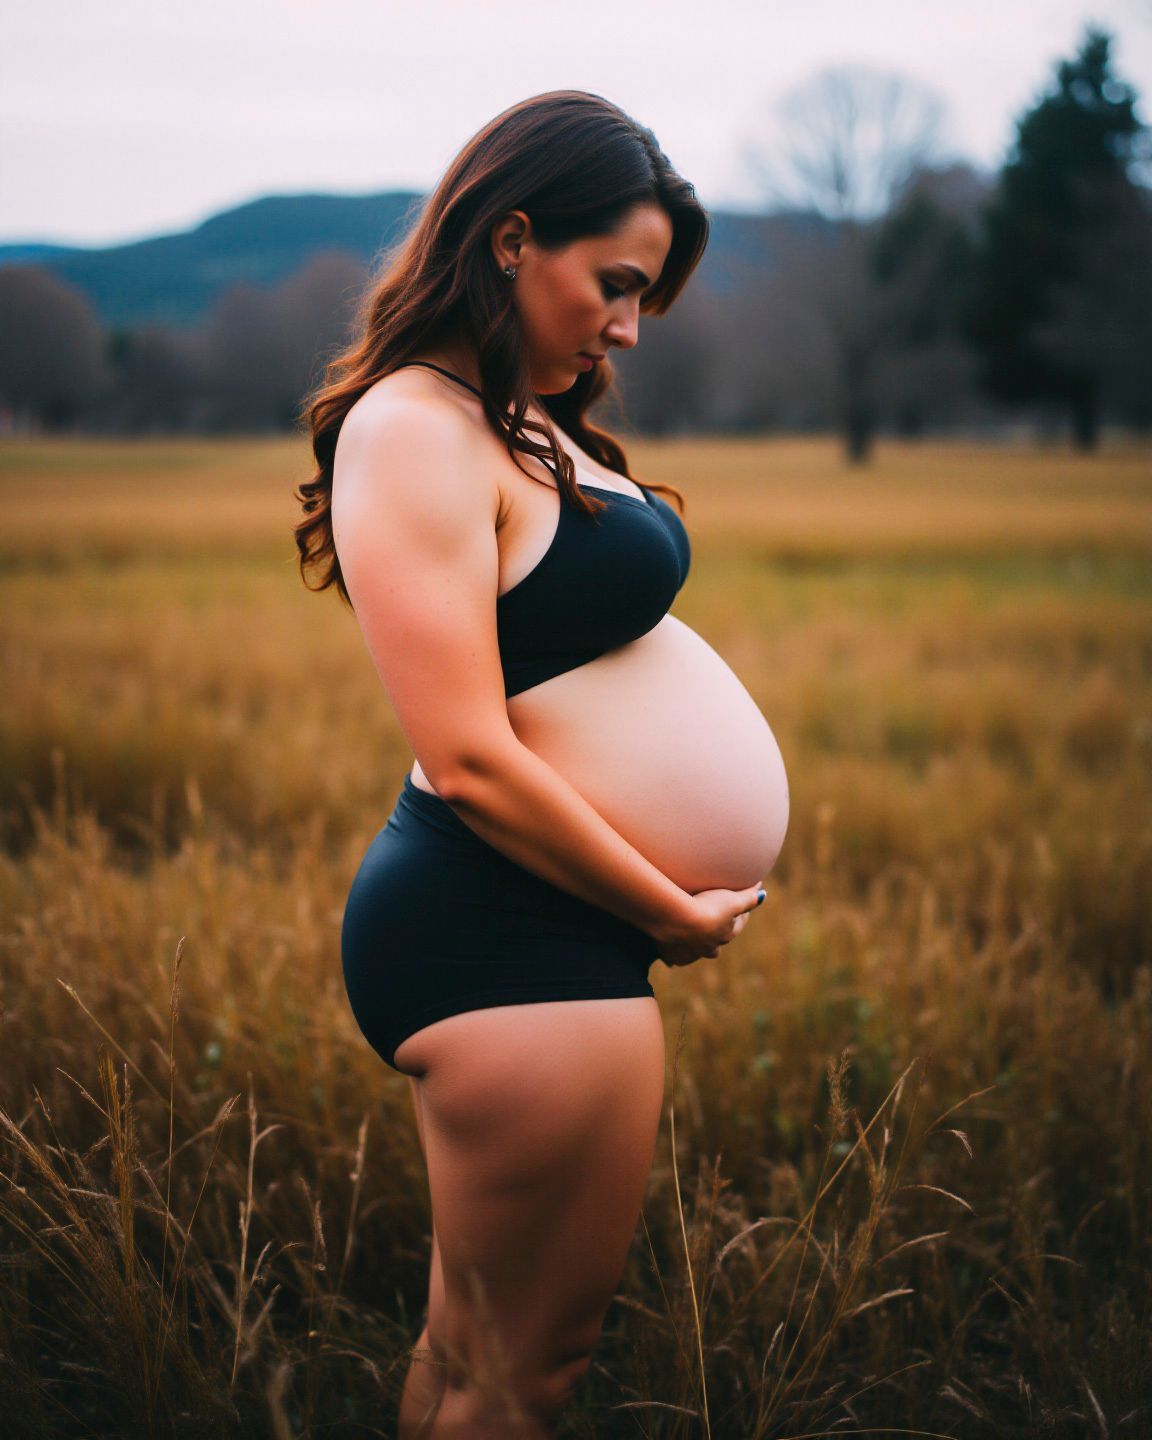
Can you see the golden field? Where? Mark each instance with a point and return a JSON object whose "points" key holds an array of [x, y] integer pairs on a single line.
{"points": [[910, 1189]]}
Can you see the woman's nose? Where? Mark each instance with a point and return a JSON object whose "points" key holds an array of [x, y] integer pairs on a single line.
{"points": [[623, 333]]}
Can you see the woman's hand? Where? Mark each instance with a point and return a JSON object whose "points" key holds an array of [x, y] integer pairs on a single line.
{"points": [[714, 917]]}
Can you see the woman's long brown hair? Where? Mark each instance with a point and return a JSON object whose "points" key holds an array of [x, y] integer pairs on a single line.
{"points": [[575, 164]]}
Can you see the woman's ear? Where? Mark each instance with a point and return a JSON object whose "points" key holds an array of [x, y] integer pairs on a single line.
{"points": [[509, 235]]}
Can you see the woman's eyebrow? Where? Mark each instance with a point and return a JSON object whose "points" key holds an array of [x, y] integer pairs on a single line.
{"points": [[632, 270]]}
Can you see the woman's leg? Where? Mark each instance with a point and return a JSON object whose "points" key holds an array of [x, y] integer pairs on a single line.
{"points": [[424, 1384], [539, 1123]]}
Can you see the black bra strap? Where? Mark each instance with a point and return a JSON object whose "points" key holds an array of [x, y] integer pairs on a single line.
{"points": [[451, 376], [432, 366]]}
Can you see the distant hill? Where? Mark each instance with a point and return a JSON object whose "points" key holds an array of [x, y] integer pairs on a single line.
{"points": [[172, 280]]}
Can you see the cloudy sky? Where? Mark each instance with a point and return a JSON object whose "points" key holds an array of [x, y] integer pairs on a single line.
{"points": [[126, 118]]}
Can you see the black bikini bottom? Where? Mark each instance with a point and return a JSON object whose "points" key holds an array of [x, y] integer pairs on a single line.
{"points": [[438, 922]]}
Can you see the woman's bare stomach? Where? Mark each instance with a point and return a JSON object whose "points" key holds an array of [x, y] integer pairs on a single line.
{"points": [[663, 740]]}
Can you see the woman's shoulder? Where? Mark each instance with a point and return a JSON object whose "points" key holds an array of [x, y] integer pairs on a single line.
{"points": [[404, 408], [400, 433], [412, 395]]}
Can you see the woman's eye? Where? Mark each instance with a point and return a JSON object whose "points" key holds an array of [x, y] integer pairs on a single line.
{"points": [[611, 292]]}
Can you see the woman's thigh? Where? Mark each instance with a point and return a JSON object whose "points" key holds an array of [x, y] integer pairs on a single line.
{"points": [[539, 1127]]}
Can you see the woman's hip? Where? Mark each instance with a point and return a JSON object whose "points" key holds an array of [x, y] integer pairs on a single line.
{"points": [[437, 920]]}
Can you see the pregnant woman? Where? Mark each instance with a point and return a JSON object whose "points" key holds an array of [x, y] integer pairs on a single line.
{"points": [[592, 788]]}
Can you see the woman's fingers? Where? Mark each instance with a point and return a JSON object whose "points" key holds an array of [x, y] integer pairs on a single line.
{"points": [[753, 897]]}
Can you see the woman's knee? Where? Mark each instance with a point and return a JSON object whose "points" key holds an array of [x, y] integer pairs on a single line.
{"points": [[534, 1400], [552, 1393], [539, 1141]]}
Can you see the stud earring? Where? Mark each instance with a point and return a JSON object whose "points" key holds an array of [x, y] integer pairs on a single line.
{"points": [[510, 271]]}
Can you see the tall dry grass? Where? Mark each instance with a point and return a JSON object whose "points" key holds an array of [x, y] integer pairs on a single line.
{"points": [[904, 1184]]}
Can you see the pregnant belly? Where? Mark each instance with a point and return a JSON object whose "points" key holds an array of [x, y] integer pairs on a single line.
{"points": [[662, 739]]}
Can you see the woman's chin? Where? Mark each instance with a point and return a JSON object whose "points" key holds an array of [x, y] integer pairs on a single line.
{"points": [[558, 376]]}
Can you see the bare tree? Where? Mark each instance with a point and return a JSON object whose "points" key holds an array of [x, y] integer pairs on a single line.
{"points": [[775, 367], [315, 308], [156, 380], [261, 349], [852, 139], [668, 384], [242, 360], [51, 349]]}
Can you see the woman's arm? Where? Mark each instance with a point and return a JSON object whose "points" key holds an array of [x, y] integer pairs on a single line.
{"points": [[414, 524]]}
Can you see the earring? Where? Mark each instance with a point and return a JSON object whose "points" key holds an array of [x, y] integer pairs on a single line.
{"points": [[510, 271]]}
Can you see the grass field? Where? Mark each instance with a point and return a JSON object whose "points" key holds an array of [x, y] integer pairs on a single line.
{"points": [[911, 1183]]}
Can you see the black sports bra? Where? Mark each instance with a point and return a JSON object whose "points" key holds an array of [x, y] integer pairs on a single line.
{"points": [[604, 580]]}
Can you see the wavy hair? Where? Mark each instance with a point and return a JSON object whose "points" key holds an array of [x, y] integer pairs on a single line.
{"points": [[575, 164]]}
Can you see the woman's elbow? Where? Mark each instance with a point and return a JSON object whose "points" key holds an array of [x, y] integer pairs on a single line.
{"points": [[474, 764]]}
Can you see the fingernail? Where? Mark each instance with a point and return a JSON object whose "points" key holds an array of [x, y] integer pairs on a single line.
{"points": [[761, 896]]}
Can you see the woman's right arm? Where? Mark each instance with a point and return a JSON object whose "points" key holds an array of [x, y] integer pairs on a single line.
{"points": [[415, 531]]}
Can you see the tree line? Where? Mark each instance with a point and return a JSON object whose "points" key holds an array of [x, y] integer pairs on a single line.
{"points": [[895, 294]]}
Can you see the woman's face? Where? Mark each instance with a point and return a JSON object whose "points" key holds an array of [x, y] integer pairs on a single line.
{"points": [[585, 297]]}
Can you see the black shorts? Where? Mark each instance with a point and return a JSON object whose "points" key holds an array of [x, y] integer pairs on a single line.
{"points": [[438, 922]]}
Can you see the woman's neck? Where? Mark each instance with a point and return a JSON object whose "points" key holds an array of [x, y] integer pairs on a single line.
{"points": [[455, 357]]}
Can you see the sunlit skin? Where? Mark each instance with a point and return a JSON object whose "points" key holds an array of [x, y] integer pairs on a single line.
{"points": [[584, 297], [707, 806]]}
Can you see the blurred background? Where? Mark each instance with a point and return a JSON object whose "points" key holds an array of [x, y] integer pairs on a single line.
{"points": [[907, 399], [927, 218]]}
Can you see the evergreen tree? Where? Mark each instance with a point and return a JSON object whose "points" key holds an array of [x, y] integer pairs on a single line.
{"points": [[1069, 181], [921, 266]]}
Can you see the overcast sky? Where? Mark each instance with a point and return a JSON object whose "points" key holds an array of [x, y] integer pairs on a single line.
{"points": [[126, 118]]}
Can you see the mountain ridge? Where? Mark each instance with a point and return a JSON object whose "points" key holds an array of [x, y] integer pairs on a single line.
{"points": [[172, 280]]}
